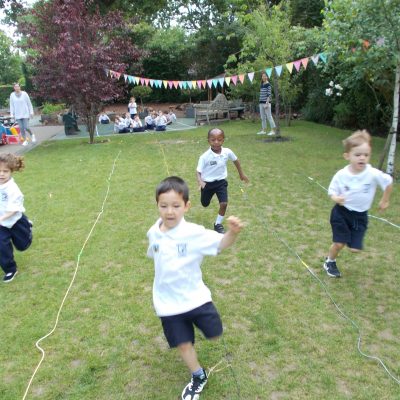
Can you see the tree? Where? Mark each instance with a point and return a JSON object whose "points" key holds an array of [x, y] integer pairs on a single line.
{"points": [[10, 61], [364, 36], [72, 44]]}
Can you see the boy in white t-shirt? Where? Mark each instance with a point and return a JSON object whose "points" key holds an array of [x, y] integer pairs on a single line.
{"points": [[212, 173], [353, 189], [180, 297]]}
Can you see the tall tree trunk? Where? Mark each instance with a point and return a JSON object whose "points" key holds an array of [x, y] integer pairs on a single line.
{"points": [[395, 122], [277, 106]]}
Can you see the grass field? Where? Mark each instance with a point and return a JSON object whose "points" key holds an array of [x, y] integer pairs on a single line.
{"points": [[284, 339]]}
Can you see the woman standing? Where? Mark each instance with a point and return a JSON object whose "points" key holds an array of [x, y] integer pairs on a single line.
{"points": [[21, 110], [265, 106]]}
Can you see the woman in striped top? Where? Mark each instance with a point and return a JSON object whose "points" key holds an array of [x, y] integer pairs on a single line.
{"points": [[265, 106]]}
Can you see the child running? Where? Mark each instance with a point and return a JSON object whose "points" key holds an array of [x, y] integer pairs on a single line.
{"points": [[180, 297], [212, 173], [15, 227], [353, 189]]}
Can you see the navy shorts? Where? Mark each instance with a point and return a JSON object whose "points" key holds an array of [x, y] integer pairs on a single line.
{"points": [[348, 226], [179, 328], [220, 188]]}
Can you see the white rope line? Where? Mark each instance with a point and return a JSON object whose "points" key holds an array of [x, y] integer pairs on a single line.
{"points": [[369, 215], [340, 311], [72, 281]]}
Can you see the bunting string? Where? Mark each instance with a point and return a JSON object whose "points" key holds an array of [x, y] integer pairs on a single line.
{"points": [[220, 81]]}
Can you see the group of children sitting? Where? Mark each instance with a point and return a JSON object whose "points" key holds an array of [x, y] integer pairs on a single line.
{"points": [[157, 121]]}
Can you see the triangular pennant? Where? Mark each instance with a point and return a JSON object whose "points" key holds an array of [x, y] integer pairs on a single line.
{"points": [[204, 83], [199, 84], [215, 82], [181, 84], [251, 76], [297, 65], [268, 71], [289, 66], [241, 78], [315, 59], [304, 61], [228, 80], [107, 71], [136, 80], [184, 84], [130, 79], [142, 81], [170, 84], [322, 56], [125, 77], [146, 81], [194, 83], [190, 84], [151, 81], [221, 82], [209, 83], [117, 74], [278, 70], [165, 83], [234, 79], [175, 84]]}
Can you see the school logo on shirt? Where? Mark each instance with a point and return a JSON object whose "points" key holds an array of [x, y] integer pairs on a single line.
{"points": [[366, 187], [4, 196], [156, 247], [182, 252], [346, 188], [213, 163]]}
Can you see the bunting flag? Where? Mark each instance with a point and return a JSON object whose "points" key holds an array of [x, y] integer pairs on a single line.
{"points": [[297, 65], [226, 80]]}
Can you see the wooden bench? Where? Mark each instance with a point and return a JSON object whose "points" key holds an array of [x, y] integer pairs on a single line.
{"points": [[218, 109]]}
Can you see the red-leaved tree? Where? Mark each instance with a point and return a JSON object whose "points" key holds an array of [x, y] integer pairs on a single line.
{"points": [[71, 44]]}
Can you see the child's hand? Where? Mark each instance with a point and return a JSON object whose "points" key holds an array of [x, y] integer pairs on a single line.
{"points": [[338, 199], [383, 205], [202, 185], [244, 178], [234, 224]]}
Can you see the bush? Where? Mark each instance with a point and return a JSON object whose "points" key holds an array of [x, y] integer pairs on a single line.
{"points": [[344, 116], [49, 108], [5, 91]]}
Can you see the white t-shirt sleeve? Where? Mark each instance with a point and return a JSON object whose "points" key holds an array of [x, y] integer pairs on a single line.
{"points": [[207, 241], [200, 164], [334, 186], [231, 155], [383, 180]]}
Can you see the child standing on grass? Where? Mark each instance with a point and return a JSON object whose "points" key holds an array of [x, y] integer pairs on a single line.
{"points": [[353, 189], [180, 297], [212, 173], [15, 227]]}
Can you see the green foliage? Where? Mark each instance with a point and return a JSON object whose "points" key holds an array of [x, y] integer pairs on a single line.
{"points": [[49, 108], [10, 61], [5, 91]]}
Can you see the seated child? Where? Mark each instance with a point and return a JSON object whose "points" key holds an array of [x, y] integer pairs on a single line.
{"points": [[161, 122], [171, 117], [120, 125], [149, 121], [104, 118], [137, 124], [128, 121]]}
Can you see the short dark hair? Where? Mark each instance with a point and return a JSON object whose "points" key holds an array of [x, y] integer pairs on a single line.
{"points": [[215, 130], [174, 183]]}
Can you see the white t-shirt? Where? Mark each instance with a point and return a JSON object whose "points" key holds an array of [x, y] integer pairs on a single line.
{"points": [[132, 108], [11, 199], [20, 106], [358, 189], [136, 124], [161, 120], [178, 284], [149, 120], [212, 166]]}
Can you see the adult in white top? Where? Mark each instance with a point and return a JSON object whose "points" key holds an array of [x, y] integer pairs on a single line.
{"points": [[21, 110]]}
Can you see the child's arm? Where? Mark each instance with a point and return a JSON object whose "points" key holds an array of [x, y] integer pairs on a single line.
{"points": [[7, 215], [242, 176], [339, 199], [384, 203], [235, 225], [200, 181]]}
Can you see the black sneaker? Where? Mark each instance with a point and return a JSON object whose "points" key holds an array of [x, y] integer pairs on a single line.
{"points": [[219, 228], [9, 277], [194, 387], [331, 268]]}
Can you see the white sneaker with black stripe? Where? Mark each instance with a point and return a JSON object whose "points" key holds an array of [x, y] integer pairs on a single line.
{"points": [[195, 387]]}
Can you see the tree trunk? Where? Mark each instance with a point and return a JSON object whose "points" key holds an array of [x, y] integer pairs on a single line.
{"points": [[277, 106], [395, 121]]}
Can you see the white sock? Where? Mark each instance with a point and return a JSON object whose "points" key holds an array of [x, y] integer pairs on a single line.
{"points": [[329, 260], [219, 219]]}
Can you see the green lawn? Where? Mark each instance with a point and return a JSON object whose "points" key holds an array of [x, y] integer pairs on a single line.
{"points": [[283, 336]]}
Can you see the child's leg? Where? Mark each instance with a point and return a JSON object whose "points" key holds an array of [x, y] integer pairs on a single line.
{"points": [[7, 261], [189, 356], [21, 233], [334, 250]]}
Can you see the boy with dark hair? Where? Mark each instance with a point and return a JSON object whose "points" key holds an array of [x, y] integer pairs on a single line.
{"points": [[180, 297]]}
